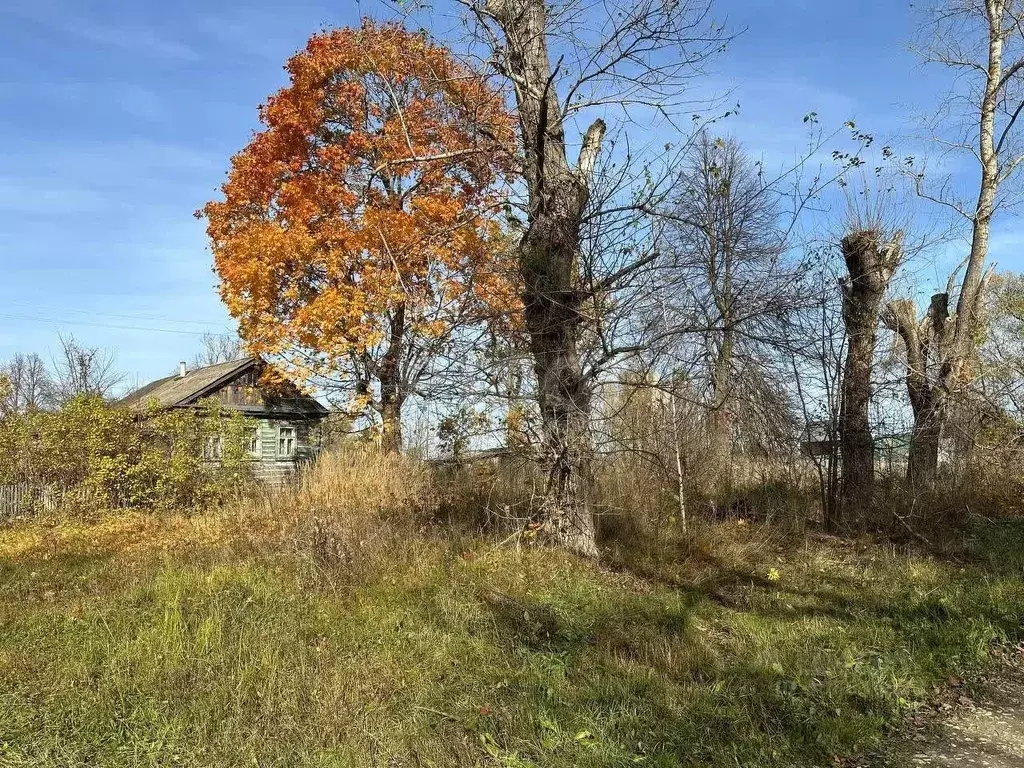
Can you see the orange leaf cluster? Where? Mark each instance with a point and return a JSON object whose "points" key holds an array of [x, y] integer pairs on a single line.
{"points": [[375, 184]]}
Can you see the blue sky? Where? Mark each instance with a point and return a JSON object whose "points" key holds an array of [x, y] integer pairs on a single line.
{"points": [[118, 119]]}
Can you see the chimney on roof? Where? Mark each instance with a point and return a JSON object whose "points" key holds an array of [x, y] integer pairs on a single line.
{"points": [[182, 369]]}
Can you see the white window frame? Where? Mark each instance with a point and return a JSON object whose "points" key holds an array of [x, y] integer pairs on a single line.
{"points": [[213, 448], [256, 444], [292, 444]]}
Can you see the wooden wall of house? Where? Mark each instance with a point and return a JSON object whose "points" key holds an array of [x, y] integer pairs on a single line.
{"points": [[274, 469], [242, 391]]}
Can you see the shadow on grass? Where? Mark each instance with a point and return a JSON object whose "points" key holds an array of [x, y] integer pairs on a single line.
{"points": [[665, 691], [781, 691], [530, 659], [993, 549]]}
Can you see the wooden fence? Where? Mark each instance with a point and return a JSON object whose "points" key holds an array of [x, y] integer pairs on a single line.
{"points": [[23, 499]]}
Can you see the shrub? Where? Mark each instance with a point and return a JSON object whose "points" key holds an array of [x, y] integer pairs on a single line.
{"points": [[92, 456]]}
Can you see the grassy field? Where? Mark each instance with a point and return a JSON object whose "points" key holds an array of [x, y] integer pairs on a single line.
{"points": [[143, 641]]}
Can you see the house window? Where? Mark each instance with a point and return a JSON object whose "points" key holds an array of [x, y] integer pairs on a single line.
{"points": [[255, 446], [213, 448], [285, 441]]}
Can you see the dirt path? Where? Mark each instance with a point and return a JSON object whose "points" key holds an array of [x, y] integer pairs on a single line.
{"points": [[988, 733]]}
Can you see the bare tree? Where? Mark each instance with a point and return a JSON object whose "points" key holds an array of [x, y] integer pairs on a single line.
{"points": [[81, 370], [218, 348], [31, 386], [729, 246], [982, 41], [816, 365], [627, 56]]}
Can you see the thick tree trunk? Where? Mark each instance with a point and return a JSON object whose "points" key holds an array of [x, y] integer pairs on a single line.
{"points": [[391, 425], [553, 322], [567, 508], [548, 262], [923, 458], [870, 264], [856, 443]]}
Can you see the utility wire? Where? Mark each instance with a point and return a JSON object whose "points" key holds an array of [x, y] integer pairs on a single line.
{"points": [[51, 309], [56, 321]]}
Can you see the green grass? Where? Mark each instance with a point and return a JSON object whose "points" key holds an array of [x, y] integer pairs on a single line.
{"points": [[741, 651]]}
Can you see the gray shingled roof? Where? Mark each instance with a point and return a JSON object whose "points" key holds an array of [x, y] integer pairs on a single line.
{"points": [[180, 390]]}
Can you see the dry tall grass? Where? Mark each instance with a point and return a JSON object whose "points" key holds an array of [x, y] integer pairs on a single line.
{"points": [[356, 509], [357, 481], [351, 506]]}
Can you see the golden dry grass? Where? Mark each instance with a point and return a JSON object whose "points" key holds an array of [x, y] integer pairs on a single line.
{"points": [[125, 535]]}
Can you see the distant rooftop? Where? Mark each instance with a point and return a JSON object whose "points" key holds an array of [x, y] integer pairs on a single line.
{"points": [[177, 390]]}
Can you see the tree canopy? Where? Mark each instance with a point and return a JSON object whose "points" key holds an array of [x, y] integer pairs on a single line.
{"points": [[358, 229]]}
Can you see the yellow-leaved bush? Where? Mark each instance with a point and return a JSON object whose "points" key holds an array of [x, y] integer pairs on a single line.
{"points": [[89, 455]]}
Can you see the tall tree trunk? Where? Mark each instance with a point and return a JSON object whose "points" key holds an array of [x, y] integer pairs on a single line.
{"points": [[548, 261], [553, 322], [721, 414], [969, 302], [392, 395], [870, 265], [926, 347]]}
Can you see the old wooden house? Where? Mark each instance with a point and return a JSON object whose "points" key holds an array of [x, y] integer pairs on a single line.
{"points": [[288, 421]]}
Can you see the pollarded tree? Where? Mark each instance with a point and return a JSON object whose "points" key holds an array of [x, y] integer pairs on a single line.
{"points": [[354, 238], [982, 42], [871, 258]]}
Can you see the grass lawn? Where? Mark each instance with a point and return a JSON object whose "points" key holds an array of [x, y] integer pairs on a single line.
{"points": [[143, 641]]}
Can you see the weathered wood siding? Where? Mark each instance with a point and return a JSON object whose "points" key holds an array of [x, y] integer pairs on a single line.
{"points": [[23, 498], [242, 391], [275, 469]]}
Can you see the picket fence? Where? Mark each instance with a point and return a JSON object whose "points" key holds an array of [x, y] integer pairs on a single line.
{"points": [[23, 498]]}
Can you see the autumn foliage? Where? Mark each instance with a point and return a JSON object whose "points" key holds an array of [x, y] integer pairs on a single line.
{"points": [[357, 230]]}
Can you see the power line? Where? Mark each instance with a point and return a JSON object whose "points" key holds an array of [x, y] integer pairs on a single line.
{"points": [[158, 318], [57, 321]]}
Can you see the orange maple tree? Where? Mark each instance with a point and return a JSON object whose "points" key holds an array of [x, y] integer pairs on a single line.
{"points": [[358, 230]]}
